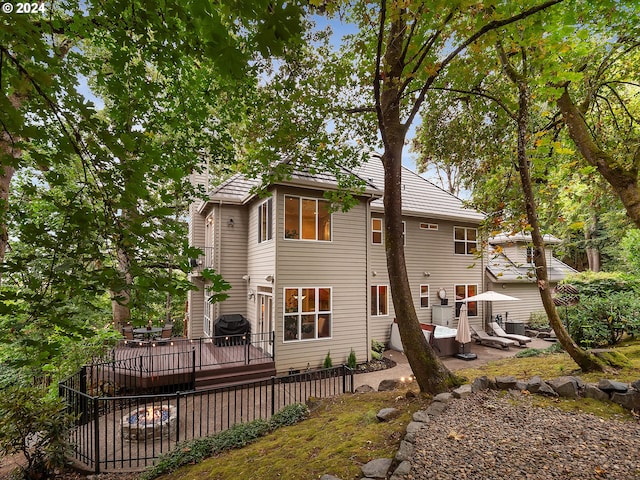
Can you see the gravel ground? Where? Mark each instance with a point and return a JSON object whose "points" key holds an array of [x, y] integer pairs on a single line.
{"points": [[487, 436]]}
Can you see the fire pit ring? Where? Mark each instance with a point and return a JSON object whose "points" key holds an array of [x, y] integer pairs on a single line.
{"points": [[155, 421]]}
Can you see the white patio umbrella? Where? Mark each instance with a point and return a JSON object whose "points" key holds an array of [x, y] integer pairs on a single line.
{"points": [[490, 296], [463, 334]]}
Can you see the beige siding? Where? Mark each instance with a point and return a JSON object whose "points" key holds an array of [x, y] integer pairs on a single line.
{"points": [[231, 257], [195, 299], [517, 253], [430, 261], [260, 260], [529, 301], [339, 264]]}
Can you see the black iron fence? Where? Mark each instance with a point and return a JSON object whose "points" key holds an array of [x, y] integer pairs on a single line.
{"points": [[115, 433]]}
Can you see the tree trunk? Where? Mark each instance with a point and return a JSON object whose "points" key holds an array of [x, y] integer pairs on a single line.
{"points": [[585, 360], [431, 374], [593, 252], [623, 180], [120, 299]]}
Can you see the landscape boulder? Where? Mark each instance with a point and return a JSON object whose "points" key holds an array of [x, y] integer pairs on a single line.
{"points": [[610, 386], [377, 468]]}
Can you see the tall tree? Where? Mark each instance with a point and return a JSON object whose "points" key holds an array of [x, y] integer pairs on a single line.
{"points": [[413, 43]]}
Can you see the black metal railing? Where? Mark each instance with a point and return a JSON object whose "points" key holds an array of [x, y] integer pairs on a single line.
{"points": [[107, 437]]}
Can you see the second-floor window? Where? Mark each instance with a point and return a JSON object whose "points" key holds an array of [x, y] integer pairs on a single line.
{"points": [[265, 229], [307, 219], [529, 254], [376, 231], [465, 240]]}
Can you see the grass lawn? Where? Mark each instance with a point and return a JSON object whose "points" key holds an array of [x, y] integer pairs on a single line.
{"points": [[343, 433]]}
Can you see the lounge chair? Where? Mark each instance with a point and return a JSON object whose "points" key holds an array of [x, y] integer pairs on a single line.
{"points": [[498, 331], [483, 338]]}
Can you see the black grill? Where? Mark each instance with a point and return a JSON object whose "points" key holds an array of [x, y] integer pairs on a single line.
{"points": [[233, 329]]}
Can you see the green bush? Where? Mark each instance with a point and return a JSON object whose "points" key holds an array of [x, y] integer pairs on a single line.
{"points": [[352, 361], [35, 425], [237, 436], [538, 320], [328, 363], [377, 346], [603, 320]]}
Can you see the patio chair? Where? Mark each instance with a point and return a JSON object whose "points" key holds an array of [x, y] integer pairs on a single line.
{"points": [[129, 338], [165, 335], [483, 338], [498, 331]]}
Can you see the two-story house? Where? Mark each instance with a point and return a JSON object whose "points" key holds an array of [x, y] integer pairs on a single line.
{"points": [[317, 278]]}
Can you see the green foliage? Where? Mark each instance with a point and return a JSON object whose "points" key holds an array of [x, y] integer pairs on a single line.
{"points": [[328, 363], [352, 361], [217, 287], [36, 426], [538, 320], [536, 352], [377, 346], [236, 437], [603, 320], [289, 415], [630, 246]]}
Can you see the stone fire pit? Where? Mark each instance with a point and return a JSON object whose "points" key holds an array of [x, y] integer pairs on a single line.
{"points": [[149, 422]]}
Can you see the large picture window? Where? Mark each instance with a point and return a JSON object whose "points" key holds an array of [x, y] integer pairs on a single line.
{"points": [[307, 313], [462, 292], [465, 240], [379, 300], [307, 219], [265, 229]]}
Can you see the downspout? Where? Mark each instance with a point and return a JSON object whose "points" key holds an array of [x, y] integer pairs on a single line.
{"points": [[366, 277]]}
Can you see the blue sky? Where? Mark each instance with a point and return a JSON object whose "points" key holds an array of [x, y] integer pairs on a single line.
{"points": [[340, 29]]}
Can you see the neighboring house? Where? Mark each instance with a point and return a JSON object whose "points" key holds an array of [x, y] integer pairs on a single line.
{"points": [[510, 271], [318, 279]]}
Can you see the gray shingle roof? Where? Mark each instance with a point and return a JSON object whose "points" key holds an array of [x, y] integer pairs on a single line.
{"points": [[419, 196], [504, 270]]}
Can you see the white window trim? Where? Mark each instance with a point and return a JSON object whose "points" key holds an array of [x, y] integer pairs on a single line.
{"points": [[465, 241], [428, 226], [284, 213], [381, 231], [299, 314], [404, 233], [377, 314], [269, 208], [421, 296]]}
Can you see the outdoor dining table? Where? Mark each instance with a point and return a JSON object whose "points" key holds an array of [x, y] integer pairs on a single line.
{"points": [[147, 333]]}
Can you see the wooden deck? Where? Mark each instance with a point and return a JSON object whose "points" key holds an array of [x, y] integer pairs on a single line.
{"points": [[185, 364]]}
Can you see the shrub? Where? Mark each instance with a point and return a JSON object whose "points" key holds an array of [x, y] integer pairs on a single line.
{"points": [[328, 363], [36, 426], [237, 436], [538, 320], [352, 361], [600, 321], [377, 346]]}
